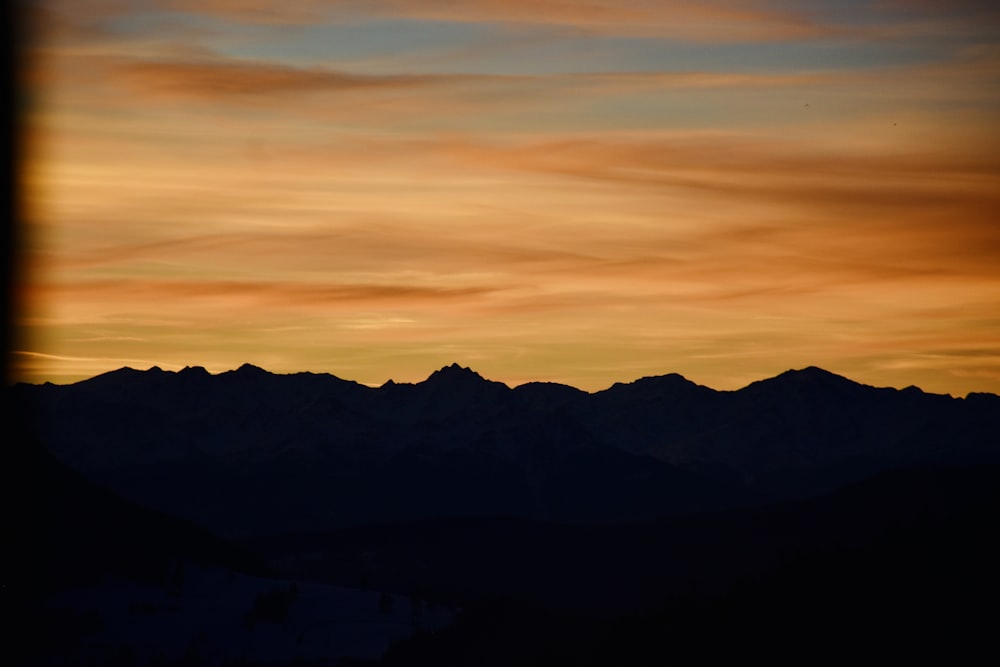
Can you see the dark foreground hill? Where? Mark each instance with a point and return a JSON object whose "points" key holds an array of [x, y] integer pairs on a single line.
{"points": [[606, 570], [63, 532], [80, 532], [900, 568], [90, 578], [248, 452]]}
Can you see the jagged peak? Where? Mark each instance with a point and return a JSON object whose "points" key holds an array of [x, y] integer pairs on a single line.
{"points": [[455, 366], [454, 371], [456, 375], [194, 371]]}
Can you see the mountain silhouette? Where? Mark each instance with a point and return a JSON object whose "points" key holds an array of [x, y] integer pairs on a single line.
{"points": [[455, 376], [248, 452]]}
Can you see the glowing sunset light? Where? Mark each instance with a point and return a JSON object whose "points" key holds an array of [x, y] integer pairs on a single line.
{"points": [[579, 192]]}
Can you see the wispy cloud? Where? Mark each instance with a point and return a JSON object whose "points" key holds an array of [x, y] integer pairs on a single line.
{"points": [[58, 357], [271, 294], [220, 79], [223, 79], [684, 20]]}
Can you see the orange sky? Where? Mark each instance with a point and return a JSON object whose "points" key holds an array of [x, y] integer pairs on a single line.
{"points": [[577, 192]]}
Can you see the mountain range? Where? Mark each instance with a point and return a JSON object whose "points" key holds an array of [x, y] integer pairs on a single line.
{"points": [[251, 453], [655, 521]]}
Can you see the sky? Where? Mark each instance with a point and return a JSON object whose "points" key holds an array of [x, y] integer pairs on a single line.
{"points": [[578, 192]]}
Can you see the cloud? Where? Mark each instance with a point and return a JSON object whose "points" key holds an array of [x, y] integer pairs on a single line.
{"points": [[107, 339], [58, 357], [963, 8], [686, 80], [714, 217], [222, 79], [711, 20], [755, 221], [273, 294], [718, 21], [37, 367]]}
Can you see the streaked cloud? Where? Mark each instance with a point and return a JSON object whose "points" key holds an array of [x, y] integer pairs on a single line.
{"points": [[701, 21], [223, 79], [266, 294]]}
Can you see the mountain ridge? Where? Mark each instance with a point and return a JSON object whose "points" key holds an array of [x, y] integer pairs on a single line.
{"points": [[455, 372], [254, 450]]}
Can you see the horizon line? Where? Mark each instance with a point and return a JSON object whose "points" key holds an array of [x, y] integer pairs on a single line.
{"points": [[468, 369]]}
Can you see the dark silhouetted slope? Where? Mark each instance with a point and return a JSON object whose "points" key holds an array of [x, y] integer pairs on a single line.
{"points": [[257, 453], [80, 532], [900, 567], [609, 569], [63, 531]]}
